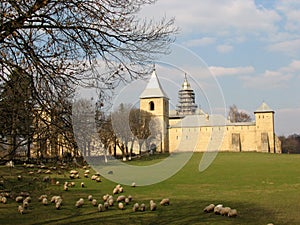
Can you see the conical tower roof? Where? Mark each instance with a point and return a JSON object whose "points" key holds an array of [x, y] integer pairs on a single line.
{"points": [[153, 88], [263, 108]]}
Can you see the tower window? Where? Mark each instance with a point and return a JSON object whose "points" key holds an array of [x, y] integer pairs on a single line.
{"points": [[151, 106]]}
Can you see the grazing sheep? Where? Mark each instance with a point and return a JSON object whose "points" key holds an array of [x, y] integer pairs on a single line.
{"points": [[121, 205], [121, 198], [87, 171], [165, 201], [86, 175], [19, 199], [72, 184], [143, 207], [66, 187], [100, 208], [79, 203], [28, 199], [110, 201], [45, 201], [72, 176], [56, 199], [48, 172], [82, 184], [126, 201], [90, 197], [121, 190], [224, 211], [57, 183], [152, 205], [94, 177], [218, 208], [133, 184], [209, 208], [58, 204], [105, 197], [25, 204], [98, 179], [42, 197], [130, 198], [20, 209], [106, 205], [94, 202], [4, 200], [232, 213], [115, 191], [135, 207], [74, 172]]}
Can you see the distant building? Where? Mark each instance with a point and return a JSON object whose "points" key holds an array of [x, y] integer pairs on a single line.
{"points": [[190, 129]]}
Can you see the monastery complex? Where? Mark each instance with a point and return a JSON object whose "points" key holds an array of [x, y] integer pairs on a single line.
{"points": [[190, 129]]}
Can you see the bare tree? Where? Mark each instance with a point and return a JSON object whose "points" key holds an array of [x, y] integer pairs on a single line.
{"points": [[60, 43], [238, 116]]}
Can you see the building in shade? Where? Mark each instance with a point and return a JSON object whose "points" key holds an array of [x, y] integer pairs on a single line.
{"points": [[186, 99]]}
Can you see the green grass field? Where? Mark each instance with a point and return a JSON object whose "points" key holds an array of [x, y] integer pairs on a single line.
{"points": [[264, 188]]}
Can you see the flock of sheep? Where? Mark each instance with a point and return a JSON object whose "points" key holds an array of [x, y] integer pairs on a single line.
{"points": [[116, 198], [220, 210]]}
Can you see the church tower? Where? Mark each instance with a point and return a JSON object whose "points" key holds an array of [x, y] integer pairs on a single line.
{"points": [[186, 99], [155, 101], [265, 134]]}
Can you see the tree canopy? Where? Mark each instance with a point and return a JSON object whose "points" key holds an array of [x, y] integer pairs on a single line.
{"points": [[61, 43], [235, 115]]}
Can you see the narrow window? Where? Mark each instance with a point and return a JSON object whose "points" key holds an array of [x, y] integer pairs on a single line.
{"points": [[151, 106]]}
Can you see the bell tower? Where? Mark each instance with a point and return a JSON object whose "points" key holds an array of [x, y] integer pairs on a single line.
{"points": [[155, 101]]}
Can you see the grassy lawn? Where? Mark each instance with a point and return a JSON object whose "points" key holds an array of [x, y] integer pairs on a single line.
{"points": [[264, 188]]}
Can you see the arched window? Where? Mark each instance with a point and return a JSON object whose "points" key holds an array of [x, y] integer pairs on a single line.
{"points": [[151, 106]]}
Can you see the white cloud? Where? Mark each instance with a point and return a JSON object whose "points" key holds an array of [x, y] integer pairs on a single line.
{"points": [[225, 71], [290, 10], [219, 17], [290, 47], [224, 48], [274, 79], [200, 42]]}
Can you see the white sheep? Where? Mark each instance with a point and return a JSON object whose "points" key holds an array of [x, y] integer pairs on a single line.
{"points": [[19, 199], [79, 203], [66, 187], [28, 199], [100, 208], [25, 204], [152, 205], [165, 201], [121, 198], [106, 205], [82, 184], [42, 197], [135, 207], [232, 213], [94, 177], [86, 175], [126, 201], [87, 171], [45, 201], [130, 198], [105, 197], [4, 200], [90, 197], [94, 202], [110, 201], [20, 209], [218, 208], [121, 205], [224, 211], [115, 191], [143, 207], [209, 208], [121, 190], [133, 184], [58, 205], [98, 179]]}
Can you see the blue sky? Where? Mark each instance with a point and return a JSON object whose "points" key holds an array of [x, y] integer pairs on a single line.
{"points": [[251, 47]]}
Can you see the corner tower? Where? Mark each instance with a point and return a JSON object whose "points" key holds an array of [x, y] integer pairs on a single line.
{"points": [[155, 101], [265, 134]]}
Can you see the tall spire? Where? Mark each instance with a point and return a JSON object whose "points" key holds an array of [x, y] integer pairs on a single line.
{"points": [[186, 98], [153, 88]]}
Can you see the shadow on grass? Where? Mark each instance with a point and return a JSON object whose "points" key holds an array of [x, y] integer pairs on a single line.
{"points": [[187, 212]]}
